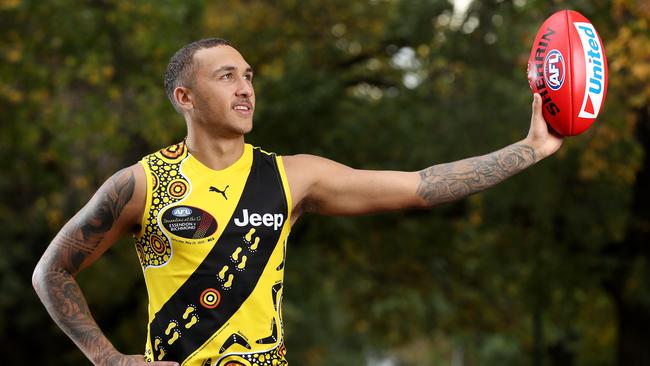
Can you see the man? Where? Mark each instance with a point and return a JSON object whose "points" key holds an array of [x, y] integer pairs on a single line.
{"points": [[211, 216]]}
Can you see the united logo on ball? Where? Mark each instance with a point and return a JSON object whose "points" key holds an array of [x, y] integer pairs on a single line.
{"points": [[595, 77]]}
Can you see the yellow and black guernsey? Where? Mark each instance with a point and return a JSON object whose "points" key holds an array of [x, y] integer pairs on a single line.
{"points": [[212, 249]]}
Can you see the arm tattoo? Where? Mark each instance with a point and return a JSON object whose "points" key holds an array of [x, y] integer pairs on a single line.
{"points": [[109, 208], [452, 181], [66, 304], [57, 287], [96, 219]]}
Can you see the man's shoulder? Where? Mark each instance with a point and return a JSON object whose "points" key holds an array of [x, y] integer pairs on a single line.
{"points": [[304, 159], [307, 166]]}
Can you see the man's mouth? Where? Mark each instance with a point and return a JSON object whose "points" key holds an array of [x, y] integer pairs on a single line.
{"points": [[243, 108]]}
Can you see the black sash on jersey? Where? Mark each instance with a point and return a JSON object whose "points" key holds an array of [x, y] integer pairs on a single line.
{"points": [[263, 193]]}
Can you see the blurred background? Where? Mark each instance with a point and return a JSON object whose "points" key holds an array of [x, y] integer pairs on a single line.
{"points": [[549, 268]]}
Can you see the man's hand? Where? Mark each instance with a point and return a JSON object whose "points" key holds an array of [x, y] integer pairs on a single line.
{"points": [[541, 137]]}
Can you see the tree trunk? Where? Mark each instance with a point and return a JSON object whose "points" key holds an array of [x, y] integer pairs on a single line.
{"points": [[634, 334], [633, 311]]}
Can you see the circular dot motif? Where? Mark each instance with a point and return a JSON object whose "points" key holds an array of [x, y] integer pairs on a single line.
{"points": [[177, 188], [210, 298], [154, 181], [174, 151], [158, 245]]}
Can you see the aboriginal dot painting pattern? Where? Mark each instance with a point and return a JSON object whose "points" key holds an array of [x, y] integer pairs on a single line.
{"points": [[274, 357], [168, 186]]}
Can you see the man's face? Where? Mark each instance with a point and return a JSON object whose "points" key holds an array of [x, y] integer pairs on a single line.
{"points": [[222, 91]]}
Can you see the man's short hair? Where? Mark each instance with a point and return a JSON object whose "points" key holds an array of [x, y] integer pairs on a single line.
{"points": [[180, 67]]}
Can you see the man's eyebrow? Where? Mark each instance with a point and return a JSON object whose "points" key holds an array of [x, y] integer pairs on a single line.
{"points": [[230, 68]]}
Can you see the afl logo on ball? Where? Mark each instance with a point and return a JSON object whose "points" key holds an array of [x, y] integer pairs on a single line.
{"points": [[554, 69]]}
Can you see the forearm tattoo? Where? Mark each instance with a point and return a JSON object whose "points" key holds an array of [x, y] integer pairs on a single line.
{"points": [[58, 289], [452, 181]]}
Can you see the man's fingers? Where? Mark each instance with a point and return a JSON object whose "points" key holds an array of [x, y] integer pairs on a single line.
{"points": [[537, 106]]}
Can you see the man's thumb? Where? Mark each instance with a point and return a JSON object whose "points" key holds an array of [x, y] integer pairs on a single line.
{"points": [[537, 105]]}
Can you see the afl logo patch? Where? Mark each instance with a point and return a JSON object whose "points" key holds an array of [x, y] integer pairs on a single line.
{"points": [[181, 211], [189, 222], [554, 70]]}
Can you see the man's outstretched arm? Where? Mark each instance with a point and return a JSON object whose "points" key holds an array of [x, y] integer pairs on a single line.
{"points": [[323, 186], [451, 181], [110, 213]]}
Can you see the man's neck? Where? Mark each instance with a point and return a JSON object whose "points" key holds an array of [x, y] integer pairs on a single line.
{"points": [[214, 153]]}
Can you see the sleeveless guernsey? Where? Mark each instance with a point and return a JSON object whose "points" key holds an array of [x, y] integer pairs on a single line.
{"points": [[212, 248]]}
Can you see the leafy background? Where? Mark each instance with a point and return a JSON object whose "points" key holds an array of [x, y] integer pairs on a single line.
{"points": [[548, 268]]}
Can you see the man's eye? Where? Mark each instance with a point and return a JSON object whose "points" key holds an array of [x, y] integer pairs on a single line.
{"points": [[227, 76], [248, 77]]}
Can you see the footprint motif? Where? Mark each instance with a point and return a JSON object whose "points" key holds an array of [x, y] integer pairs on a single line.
{"points": [[159, 348], [193, 319], [222, 273], [190, 309], [255, 244], [176, 334], [161, 354], [248, 239], [241, 266], [172, 324], [235, 255], [249, 236], [228, 283]]}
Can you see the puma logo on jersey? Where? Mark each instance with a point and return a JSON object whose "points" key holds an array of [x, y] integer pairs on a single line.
{"points": [[256, 219], [223, 193]]}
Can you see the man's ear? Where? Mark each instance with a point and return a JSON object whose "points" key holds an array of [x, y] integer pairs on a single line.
{"points": [[183, 97]]}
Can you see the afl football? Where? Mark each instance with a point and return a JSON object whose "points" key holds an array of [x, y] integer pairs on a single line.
{"points": [[568, 68]]}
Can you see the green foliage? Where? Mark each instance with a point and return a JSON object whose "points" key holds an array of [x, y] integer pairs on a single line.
{"points": [[516, 275]]}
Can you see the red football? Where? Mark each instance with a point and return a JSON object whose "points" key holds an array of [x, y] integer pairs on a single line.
{"points": [[568, 68]]}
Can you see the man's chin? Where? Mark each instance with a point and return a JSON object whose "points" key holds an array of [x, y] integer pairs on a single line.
{"points": [[247, 128]]}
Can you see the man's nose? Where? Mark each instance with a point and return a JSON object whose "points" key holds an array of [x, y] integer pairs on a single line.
{"points": [[244, 88]]}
